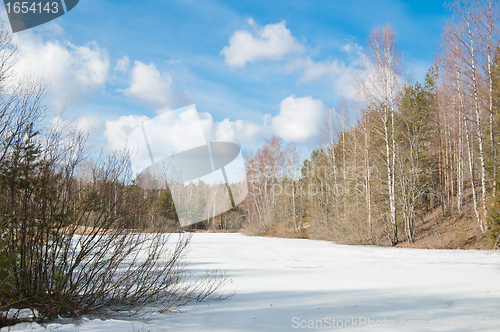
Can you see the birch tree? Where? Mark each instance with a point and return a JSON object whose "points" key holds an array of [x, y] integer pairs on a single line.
{"points": [[381, 86], [474, 32]]}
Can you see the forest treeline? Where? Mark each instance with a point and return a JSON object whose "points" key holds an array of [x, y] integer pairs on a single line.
{"points": [[398, 162], [397, 151]]}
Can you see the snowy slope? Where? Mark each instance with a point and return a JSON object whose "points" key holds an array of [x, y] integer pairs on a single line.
{"points": [[293, 284]]}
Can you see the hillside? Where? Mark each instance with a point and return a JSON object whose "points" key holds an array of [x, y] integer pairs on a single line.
{"points": [[452, 231]]}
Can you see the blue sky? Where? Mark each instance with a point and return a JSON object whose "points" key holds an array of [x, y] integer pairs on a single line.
{"points": [[253, 68]]}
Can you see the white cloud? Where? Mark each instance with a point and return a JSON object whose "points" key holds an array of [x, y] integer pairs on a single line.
{"points": [[117, 132], [208, 125], [164, 135], [298, 119], [72, 71], [341, 76], [269, 43], [150, 87], [352, 49], [88, 123], [171, 131], [84, 124], [122, 64], [345, 83], [237, 131], [315, 70], [181, 129]]}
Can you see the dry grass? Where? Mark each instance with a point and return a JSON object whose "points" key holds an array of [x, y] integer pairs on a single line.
{"points": [[453, 231], [86, 230]]}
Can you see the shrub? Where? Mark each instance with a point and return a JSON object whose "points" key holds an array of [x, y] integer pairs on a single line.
{"points": [[68, 243]]}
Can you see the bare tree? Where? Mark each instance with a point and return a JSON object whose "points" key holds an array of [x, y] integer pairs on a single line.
{"points": [[381, 86], [473, 35], [488, 23]]}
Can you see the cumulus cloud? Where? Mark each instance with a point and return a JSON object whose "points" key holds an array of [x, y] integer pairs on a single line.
{"points": [[237, 131], [173, 132], [271, 42], [298, 119], [72, 71], [155, 90], [117, 131], [184, 129]]}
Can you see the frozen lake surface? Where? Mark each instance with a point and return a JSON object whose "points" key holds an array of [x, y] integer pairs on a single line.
{"points": [[294, 284]]}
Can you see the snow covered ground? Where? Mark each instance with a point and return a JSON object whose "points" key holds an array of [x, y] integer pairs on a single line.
{"points": [[294, 285]]}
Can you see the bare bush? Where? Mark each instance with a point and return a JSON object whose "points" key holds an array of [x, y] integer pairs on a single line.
{"points": [[69, 239]]}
